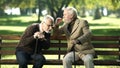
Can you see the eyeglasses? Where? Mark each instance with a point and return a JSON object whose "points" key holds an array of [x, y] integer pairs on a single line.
{"points": [[49, 25]]}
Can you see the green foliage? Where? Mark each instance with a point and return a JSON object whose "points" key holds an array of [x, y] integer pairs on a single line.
{"points": [[17, 3], [90, 4], [60, 3], [116, 3]]}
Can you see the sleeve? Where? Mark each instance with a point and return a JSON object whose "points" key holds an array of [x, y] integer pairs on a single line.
{"points": [[86, 33], [58, 30], [27, 36]]}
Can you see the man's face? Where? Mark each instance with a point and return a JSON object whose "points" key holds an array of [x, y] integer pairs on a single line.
{"points": [[67, 17], [47, 25]]}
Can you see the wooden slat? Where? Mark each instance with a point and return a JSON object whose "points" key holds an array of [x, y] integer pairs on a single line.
{"points": [[107, 62], [10, 37], [7, 52], [59, 62], [14, 44], [96, 38], [106, 38], [61, 45], [108, 53], [106, 45], [48, 52], [7, 45], [53, 52], [17, 37]]}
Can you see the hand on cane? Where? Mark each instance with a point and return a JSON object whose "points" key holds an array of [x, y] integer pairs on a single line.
{"points": [[39, 35]]}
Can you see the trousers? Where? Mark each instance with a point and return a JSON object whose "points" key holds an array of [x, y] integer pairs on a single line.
{"points": [[23, 58], [69, 59]]}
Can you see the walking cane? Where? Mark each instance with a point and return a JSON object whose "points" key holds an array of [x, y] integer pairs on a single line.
{"points": [[35, 48], [36, 45], [74, 57]]}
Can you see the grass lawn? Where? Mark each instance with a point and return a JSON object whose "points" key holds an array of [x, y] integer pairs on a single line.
{"points": [[15, 25], [108, 26]]}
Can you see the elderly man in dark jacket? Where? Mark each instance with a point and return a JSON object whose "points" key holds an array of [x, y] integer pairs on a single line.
{"points": [[35, 38]]}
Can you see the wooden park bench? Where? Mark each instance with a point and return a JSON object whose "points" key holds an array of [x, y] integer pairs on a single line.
{"points": [[107, 48]]}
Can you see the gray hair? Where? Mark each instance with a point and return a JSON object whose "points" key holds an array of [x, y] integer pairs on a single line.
{"points": [[47, 17], [72, 10]]}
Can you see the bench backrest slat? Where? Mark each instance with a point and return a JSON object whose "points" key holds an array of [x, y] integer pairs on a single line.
{"points": [[96, 45], [106, 38], [104, 45]]}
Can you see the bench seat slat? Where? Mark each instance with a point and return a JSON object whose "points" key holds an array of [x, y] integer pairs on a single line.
{"points": [[53, 52], [59, 62]]}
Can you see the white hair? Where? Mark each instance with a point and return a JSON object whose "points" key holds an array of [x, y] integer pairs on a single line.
{"points": [[47, 17], [72, 10]]}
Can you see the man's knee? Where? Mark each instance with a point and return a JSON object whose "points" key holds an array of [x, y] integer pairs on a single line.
{"points": [[88, 58], [67, 60], [22, 62], [39, 58]]}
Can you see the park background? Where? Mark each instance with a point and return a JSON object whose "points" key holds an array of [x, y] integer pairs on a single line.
{"points": [[103, 16]]}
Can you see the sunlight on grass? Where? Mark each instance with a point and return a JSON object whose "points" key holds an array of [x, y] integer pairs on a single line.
{"points": [[26, 18], [57, 66], [105, 22], [12, 28], [104, 27]]}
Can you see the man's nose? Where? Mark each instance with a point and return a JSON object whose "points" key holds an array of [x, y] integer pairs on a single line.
{"points": [[50, 28]]}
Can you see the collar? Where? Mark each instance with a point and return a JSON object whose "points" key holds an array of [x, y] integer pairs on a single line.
{"points": [[40, 27]]}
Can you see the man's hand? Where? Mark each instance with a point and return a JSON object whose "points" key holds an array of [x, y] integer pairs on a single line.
{"points": [[73, 42], [58, 21], [39, 35]]}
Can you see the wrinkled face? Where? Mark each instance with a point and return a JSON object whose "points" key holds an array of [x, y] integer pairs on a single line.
{"points": [[47, 26], [67, 17]]}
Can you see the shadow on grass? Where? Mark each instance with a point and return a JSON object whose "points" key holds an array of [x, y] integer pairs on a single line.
{"points": [[14, 16], [9, 32], [106, 32], [95, 24], [15, 23]]}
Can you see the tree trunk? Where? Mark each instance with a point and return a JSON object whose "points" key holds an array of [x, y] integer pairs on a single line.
{"points": [[97, 14]]}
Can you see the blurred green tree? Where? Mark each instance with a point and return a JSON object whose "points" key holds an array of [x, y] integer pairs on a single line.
{"points": [[55, 6]]}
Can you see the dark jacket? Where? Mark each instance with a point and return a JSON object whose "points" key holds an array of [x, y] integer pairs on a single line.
{"points": [[27, 42]]}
